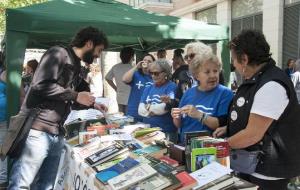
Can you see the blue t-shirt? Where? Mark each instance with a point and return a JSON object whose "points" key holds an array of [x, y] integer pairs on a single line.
{"points": [[214, 103], [138, 84], [151, 95], [3, 101]]}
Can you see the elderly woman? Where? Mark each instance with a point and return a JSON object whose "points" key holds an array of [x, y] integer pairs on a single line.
{"points": [[151, 107], [263, 127], [138, 78], [295, 77], [205, 106]]}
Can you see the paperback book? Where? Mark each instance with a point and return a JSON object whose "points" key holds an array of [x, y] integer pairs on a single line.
{"points": [[116, 169], [201, 157], [106, 153], [131, 177]]}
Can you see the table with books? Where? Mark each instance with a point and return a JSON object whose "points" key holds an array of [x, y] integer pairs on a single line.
{"points": [[116, 154]]}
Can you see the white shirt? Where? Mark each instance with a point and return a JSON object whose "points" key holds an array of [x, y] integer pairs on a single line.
{"points": [[269, 101]]}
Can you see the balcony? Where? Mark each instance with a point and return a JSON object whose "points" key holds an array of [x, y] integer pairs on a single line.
{"points": [[158, 6]]}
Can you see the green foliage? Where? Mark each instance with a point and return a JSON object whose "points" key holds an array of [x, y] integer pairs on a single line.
{"points": [[4, 4]]}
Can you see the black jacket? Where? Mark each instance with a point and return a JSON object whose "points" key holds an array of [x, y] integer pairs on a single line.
{"points": [[281, 142], [52, 88]]}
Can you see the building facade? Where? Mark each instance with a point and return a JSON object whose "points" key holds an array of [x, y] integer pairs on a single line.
{"points": [[279, 20]]}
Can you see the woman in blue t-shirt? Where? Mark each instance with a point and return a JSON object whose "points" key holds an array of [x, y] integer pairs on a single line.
{"points": [[151, 107], [204, 107], [138, 78]]}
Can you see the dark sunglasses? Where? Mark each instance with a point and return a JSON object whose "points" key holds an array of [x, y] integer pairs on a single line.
{"points": [[189, 56], [155, 73]]}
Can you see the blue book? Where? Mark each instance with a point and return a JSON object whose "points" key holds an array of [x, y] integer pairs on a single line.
{"points": [[116, 169]]}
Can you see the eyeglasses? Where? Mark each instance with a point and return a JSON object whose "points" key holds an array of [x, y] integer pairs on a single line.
{"points": [[189, 56], [155, 73]]}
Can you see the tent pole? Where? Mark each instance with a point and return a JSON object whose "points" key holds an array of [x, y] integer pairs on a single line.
{"points": [[16, 43], [225, 56]]}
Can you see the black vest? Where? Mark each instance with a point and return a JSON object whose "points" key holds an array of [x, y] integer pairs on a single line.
{"points": [[281, 142]]}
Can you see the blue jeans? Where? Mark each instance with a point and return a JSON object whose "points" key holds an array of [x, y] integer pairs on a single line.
{"points": [[3, 164], [37, 166]]}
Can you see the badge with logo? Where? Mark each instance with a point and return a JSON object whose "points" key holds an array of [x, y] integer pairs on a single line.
{"points": [[233, 115], [240, 101]]}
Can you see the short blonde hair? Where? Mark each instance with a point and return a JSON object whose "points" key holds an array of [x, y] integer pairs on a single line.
{"points": [[200, 59], [198, 48]]}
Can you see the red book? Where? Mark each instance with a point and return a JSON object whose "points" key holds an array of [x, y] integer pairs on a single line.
{"points": [[169, 161], [187, 181]]}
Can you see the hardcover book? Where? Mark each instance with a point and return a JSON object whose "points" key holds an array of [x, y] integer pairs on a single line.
{"points": [[106, 154], [187, 181], [131, 177], [169, 161], [201, 157], [116, 169], [189, 135]]}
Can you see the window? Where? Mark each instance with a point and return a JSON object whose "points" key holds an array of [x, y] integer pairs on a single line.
{"points": [[241, 8], [246, 14], [291, 33], [207, 15], [287, 2]]}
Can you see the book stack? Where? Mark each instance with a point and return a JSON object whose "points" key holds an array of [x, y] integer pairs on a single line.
{"points": [[213, 176]]}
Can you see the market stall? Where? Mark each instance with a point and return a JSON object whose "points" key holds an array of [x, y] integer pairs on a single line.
{"points": [[55, 22]]}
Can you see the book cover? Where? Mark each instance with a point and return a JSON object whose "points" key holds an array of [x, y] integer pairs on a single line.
{"points": [[209, 173], [222, 150], [152, 137], [108, 164], [168, 171], [187, 181], [189, 135], [241, 184], [105, 154], [85, 136], [220, 183], [169, 161], [145, 131], [156, 182], [201, 157], [116, 169], [131, 177], [177, 153], [154, 151]]}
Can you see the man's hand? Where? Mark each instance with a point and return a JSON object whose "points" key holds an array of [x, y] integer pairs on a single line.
{"points": [[85, 98], [100, 107]]}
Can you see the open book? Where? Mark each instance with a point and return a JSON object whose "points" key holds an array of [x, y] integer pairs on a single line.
{"points": [[80, 115]]}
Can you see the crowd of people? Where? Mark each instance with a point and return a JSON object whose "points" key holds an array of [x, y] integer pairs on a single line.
{"points": [[258, 117]]}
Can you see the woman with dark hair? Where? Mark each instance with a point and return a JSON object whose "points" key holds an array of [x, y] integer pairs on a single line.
{"points": [[263, 127], [151, 107], [138, 78]]}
